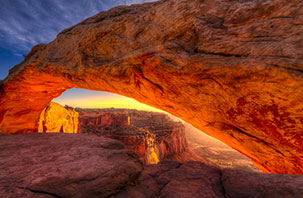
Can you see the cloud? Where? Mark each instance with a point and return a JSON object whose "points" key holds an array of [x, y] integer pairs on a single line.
{"points": [[25, 23]]}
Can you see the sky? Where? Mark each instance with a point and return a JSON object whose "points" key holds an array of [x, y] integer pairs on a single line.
{"points": [[26, 23]]}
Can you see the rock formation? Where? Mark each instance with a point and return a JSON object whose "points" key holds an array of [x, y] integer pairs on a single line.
{"points": [[55, 118], [85, 166], [153, 136], [233, 69], [64, 165], [171, 179]]}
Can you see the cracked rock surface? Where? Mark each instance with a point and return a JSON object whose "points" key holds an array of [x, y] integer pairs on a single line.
{"points": [[232, 69], [171, 179], [64, 166], [83, 166]]}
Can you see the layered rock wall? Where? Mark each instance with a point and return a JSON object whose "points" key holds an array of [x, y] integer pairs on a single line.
{"points": [[101, 119]]}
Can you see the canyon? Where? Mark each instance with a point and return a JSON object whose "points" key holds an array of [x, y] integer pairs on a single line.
{"points": [[153, 136], [232, 69]]}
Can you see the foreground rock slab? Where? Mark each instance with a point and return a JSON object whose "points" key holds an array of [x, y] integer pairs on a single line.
{"points": [[239, 184], [82, 166], [171, 179], [232, 69], [64, 165]]}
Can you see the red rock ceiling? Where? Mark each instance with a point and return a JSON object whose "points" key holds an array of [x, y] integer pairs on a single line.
{"points": [[231, 68]]}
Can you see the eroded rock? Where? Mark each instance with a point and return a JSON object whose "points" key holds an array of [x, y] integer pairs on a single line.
{"points": [[171, 179], [64, 165], [153, 136], [233, 69], [55, 118], [239, 184]]}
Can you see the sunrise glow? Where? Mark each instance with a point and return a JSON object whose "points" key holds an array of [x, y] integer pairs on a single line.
{"points": [[96, 99]]}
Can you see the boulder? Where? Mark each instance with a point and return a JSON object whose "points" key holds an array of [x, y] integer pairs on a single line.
{"points": [[55, 118]]}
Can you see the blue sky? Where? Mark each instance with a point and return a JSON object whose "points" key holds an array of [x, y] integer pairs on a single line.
{"points": [[26, 23]]}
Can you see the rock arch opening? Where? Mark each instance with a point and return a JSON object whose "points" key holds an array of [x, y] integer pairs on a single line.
{"points": [[217, 70], [153, 134]]}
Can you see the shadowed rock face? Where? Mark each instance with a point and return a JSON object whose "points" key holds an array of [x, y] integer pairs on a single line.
{"points": [[233, 69], [64, 165]]}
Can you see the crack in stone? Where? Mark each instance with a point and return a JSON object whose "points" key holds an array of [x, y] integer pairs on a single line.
{"points": [[288, 68], [222, 185], [40, 192], [43, 192]]}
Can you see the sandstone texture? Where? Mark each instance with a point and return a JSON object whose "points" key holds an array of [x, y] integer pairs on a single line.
{"points": [[233, 69], [55, 118], [239, 184], [153, 136], [64, 165], [86, 166], [170, 179]]}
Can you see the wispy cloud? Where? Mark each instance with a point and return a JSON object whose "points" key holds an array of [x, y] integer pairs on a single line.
{"points": [[25, 23]]}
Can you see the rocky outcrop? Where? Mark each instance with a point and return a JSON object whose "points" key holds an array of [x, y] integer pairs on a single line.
{"points": [[233, 69], [55, 118], [171, 179], [153, 136], [239, 184], [64, 165], [86, 166], [170, 138]]}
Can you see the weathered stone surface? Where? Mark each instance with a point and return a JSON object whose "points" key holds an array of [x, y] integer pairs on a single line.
{"points": [[64, 165], [239, 184], [233, 69], [153, 136], [171, 179], [55, 118]]}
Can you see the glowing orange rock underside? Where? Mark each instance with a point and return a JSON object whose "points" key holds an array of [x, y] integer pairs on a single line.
{"points": [[232, 69]]}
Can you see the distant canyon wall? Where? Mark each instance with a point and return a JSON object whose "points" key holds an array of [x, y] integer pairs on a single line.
{"points": [[153, 136]]}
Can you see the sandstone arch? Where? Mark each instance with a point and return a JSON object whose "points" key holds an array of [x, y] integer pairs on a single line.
{"points": [[231, 68]]}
